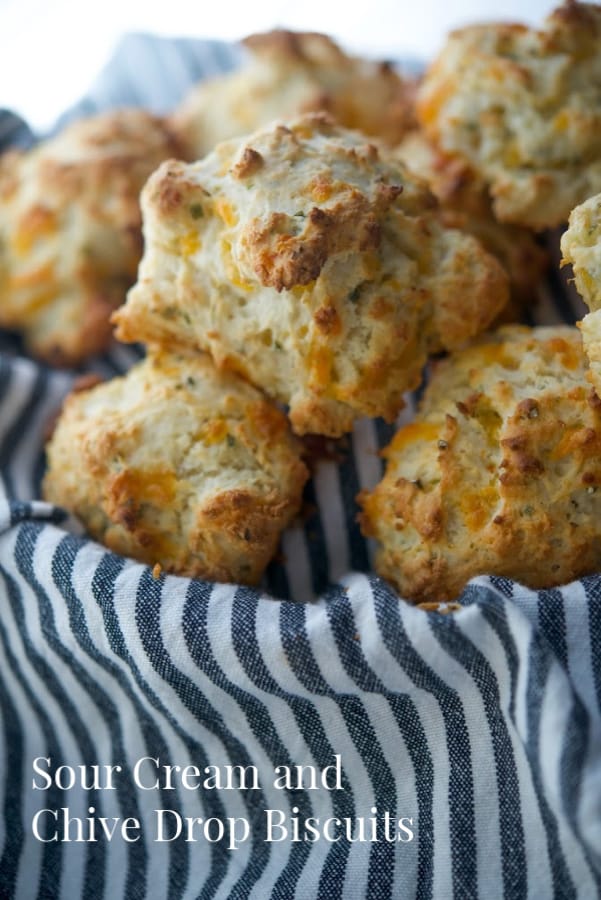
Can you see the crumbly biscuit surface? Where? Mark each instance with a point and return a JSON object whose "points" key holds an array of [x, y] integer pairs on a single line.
{"points": [[180, 465], [70, 230], [523, 107], [290, 73], [499, 474], [314, 267]]}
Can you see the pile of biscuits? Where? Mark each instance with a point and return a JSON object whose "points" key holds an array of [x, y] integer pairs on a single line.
{"points": [[317, 230]]}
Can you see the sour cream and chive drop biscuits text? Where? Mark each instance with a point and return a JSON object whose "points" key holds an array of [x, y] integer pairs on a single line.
{"points": [[499, 474], [70, 230], [310, 265], [178, 464], [290, 73], [523, 108]]}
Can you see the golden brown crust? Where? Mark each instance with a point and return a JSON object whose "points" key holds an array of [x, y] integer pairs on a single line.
{"points": [[499, 474], [290, 73], [70, 236], [178, 465], [282, 260], [523, 108], [327, 282]]}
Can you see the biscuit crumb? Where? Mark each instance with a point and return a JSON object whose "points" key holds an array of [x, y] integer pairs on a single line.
{"points": [[250, 162]]}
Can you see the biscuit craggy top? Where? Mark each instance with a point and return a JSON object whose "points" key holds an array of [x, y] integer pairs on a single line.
{"points": [[290, 73], [500, 473], [311, 265], [524, 108]]}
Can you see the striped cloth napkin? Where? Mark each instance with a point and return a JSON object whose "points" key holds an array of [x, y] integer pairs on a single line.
{"points": [[444, 755]]}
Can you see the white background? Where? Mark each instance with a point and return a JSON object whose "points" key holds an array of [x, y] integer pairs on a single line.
{"points": [[51, 50]]}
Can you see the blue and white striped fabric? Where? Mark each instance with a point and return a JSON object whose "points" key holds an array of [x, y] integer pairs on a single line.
{"points": [[483, 728]]}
